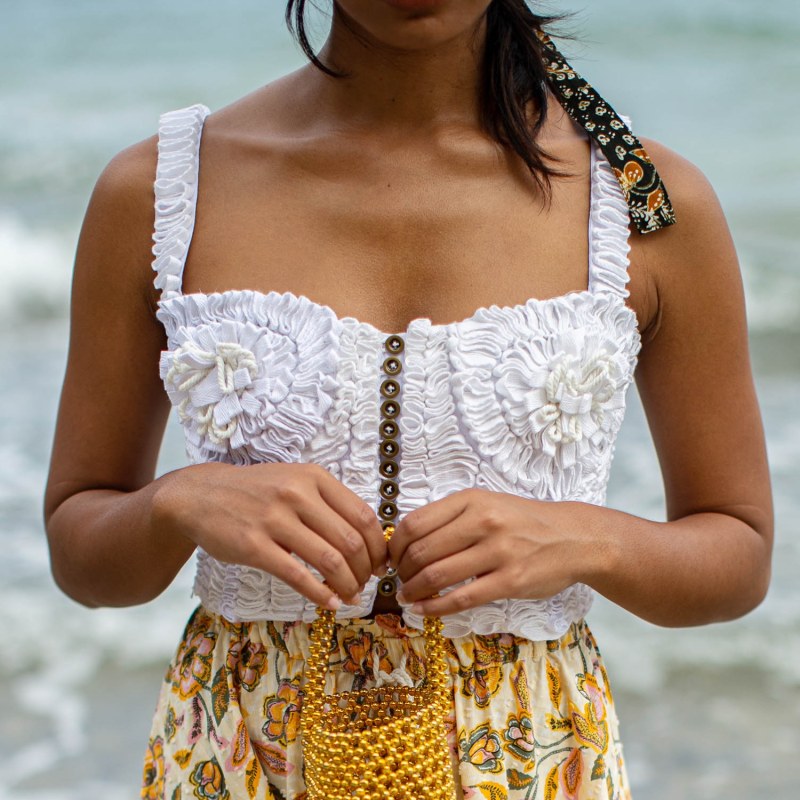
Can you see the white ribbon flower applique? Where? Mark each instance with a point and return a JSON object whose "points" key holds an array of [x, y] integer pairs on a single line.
{"points": [[560, 395], [216, 388]]}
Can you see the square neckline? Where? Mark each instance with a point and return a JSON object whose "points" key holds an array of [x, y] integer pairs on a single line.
{"points": [[598, 187]]}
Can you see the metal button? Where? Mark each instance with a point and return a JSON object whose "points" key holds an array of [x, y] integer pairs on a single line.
{"points": [[388, 469], [388, 510], [390, 448], [390, 408], [389, 490], [390, 388], [387, 586], [389, 429], [392, 366], [394, 344]]}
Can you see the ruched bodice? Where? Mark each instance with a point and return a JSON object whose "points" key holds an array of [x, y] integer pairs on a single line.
{"points": [[524, 399]]}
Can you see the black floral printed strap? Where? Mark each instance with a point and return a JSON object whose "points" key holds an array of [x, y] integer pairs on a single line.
{"points": [[647, 198]]}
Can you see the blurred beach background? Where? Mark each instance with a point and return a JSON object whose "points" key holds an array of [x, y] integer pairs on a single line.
{"points": [[710, 713]]}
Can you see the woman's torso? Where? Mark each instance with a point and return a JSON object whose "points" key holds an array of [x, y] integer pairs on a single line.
{"points": [[522, 396]]}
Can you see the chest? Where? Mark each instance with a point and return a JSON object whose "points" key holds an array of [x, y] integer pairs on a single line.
{"points": [[388, 238]]}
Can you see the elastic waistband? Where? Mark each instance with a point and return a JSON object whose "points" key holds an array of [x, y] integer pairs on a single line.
{"points": [[387, 634]]}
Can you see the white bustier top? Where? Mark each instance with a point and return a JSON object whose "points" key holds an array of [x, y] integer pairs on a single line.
{"points": [[524, 399]]}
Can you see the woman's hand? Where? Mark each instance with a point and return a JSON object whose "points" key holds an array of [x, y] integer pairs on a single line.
{"points": [[258, 515], [514, 547]]}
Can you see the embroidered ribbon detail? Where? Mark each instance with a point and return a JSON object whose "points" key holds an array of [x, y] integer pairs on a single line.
{"points": [[645, 193]]}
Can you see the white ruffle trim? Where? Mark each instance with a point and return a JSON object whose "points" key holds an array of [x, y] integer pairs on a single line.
{"points": [[242, 594], [175, 194], [533, 619], [541, 389], [436, 459], [267, 382], [608, 230]]}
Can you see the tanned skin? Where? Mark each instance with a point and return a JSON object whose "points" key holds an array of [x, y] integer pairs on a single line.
{"points": [[379, 196]]}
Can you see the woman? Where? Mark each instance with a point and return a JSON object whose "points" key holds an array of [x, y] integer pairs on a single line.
{"points": [[453, 163]]}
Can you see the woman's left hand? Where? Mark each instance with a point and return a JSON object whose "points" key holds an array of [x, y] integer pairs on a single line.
{"points": [[514, 547]]}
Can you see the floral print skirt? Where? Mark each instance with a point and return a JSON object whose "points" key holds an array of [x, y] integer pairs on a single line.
{"points": [[529, 719]]}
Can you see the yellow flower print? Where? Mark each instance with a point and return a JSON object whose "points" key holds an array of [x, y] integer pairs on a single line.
{"points": [[238, 747], [558, 723], [493, 791], [273, 759], [209, 782], [415, 666], [551, 784], [481, 684], [247, 662], [193, 662], [360, 656], [496, 648], [519, 737], [587, 685], [282, 711], [554, 685], [393, 623], [519, 682], [607, 685], [589, 730], [153, 778], [358, 648], [482, 749]]}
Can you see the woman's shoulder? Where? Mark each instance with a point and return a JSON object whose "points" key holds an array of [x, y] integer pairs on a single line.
{"points": [[700, 219], [114, 249], [124, 193], [129, 175], [687, 185], [698, 250]]}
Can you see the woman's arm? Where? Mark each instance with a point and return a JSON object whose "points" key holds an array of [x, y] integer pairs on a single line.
{"points": [[711, 560], [117, 536], [105, 549]]}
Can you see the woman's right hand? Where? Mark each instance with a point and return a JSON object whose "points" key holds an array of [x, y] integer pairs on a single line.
{"points": [[258, 515]]}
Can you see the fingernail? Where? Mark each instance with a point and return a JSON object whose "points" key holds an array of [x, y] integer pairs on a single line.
{"points": [[401, 598], [381, 571], [334, 603], [354, 600], [417, 609]]}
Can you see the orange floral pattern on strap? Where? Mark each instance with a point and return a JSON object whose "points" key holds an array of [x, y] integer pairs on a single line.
{"points": [[648, 202], [529, 721]]}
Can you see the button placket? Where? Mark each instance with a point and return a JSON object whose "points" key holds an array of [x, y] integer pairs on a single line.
{"points": [[389, 447]]}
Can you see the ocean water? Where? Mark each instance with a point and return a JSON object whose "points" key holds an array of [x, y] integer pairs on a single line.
{"points": [[709, 713]]}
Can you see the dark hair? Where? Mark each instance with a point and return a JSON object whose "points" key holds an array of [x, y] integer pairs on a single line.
{"points": [[513, 74]]}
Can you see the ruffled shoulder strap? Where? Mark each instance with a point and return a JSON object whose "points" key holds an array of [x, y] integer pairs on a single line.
{"points": [[609, 230], [175, 188]]}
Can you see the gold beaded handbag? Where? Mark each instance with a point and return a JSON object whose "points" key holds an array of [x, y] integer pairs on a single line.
{"points": [[384, 742]]}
